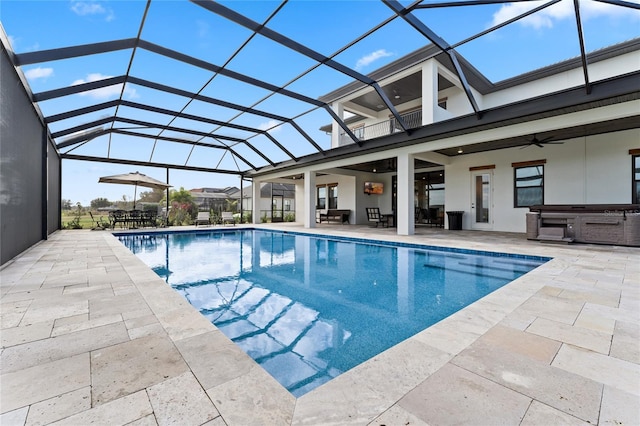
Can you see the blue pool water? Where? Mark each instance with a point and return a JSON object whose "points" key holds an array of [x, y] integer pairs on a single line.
{"points": [[308, 308]]}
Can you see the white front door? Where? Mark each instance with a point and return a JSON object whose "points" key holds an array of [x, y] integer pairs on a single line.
{"points": [[481, 199]]}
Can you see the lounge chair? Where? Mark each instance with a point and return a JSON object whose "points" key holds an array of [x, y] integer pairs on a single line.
{"points": [[227, 217], [203, 218], [374, 216]]}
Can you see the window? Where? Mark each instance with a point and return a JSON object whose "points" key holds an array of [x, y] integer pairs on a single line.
{"points": [[635, 175], [529, 183], [321, 203], [333, 196], [327, 196]]}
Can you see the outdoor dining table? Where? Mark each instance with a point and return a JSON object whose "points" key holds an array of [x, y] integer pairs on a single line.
{"points": [[133, 218]]}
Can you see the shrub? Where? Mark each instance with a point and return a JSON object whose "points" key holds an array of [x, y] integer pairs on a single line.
{"points": [[290, 217], [75, 222], [180, 214]]}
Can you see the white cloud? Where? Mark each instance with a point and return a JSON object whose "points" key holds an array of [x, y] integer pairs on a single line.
{"points": [[16, 41], [203, 28], [547, 17], [372, 57], [269, 124], [36, 73], [85, 8], [105, 92]]}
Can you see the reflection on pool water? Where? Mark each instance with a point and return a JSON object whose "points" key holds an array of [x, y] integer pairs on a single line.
{"points": [[308, 308]]}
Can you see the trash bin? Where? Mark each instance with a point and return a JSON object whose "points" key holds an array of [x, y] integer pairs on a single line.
{"points": [[455, 220]]}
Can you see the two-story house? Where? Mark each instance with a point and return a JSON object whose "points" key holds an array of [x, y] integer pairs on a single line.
{"points": [[459, 142]]}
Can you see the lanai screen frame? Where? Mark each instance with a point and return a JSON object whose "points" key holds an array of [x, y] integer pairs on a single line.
{"points": [[79, 135]]}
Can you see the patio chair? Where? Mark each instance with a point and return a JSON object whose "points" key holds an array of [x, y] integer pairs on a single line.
{"points": [[134, 219], [227, 217], [149, 218], [374, 216], [118, 217], [203, 218]]}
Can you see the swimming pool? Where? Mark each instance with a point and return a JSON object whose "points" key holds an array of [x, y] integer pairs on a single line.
{"points": [[308, 308]]}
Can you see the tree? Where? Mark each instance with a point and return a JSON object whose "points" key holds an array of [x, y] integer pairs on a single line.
{"points": [[232, 204], [153, 196], [100, 202], [124, 204], [180, 196], [183, 208], [65, 204]]}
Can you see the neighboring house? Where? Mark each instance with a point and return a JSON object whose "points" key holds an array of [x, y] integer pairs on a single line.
{"points": [[217, 199], [277, 200], [556, 135]]}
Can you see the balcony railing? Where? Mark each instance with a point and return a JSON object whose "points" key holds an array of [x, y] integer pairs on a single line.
{"points": [[384, 128]]}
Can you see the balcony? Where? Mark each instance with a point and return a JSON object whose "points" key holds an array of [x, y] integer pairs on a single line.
{"points": [[384, 128]]}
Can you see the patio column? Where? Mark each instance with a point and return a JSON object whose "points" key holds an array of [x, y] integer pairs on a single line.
{"points": [[310, 199], [406, 212], [255, 201], [335, 128], [429, 91]]}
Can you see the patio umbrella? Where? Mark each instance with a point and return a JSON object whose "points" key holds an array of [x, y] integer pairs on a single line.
{"points": [[137, 179]]}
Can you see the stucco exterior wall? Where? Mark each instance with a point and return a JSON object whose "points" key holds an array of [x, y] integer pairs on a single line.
{"points": [[597, 71], [595, 169]]}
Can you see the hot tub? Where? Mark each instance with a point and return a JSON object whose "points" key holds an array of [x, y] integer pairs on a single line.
{"points": [[617, 224]]}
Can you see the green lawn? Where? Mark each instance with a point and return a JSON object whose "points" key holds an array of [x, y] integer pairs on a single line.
{"points": [[85, 219]]}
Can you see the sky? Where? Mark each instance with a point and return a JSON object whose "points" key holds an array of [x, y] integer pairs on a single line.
{"points": [[325, 26]]}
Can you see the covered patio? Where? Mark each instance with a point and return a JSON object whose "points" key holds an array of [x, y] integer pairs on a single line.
{"points": [[92, 335]]}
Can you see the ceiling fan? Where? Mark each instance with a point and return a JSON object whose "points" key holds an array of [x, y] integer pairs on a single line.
{"points": [[541, 142]]}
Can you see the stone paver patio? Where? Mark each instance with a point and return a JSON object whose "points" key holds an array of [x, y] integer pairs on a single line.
{"points": [[90, 335]]}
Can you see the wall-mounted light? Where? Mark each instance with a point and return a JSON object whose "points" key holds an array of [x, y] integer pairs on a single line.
{"points": [[460, 151], [374, 170]]}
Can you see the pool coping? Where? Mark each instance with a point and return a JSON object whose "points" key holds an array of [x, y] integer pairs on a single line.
{"points": [[371, 391], [340, 401]]}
